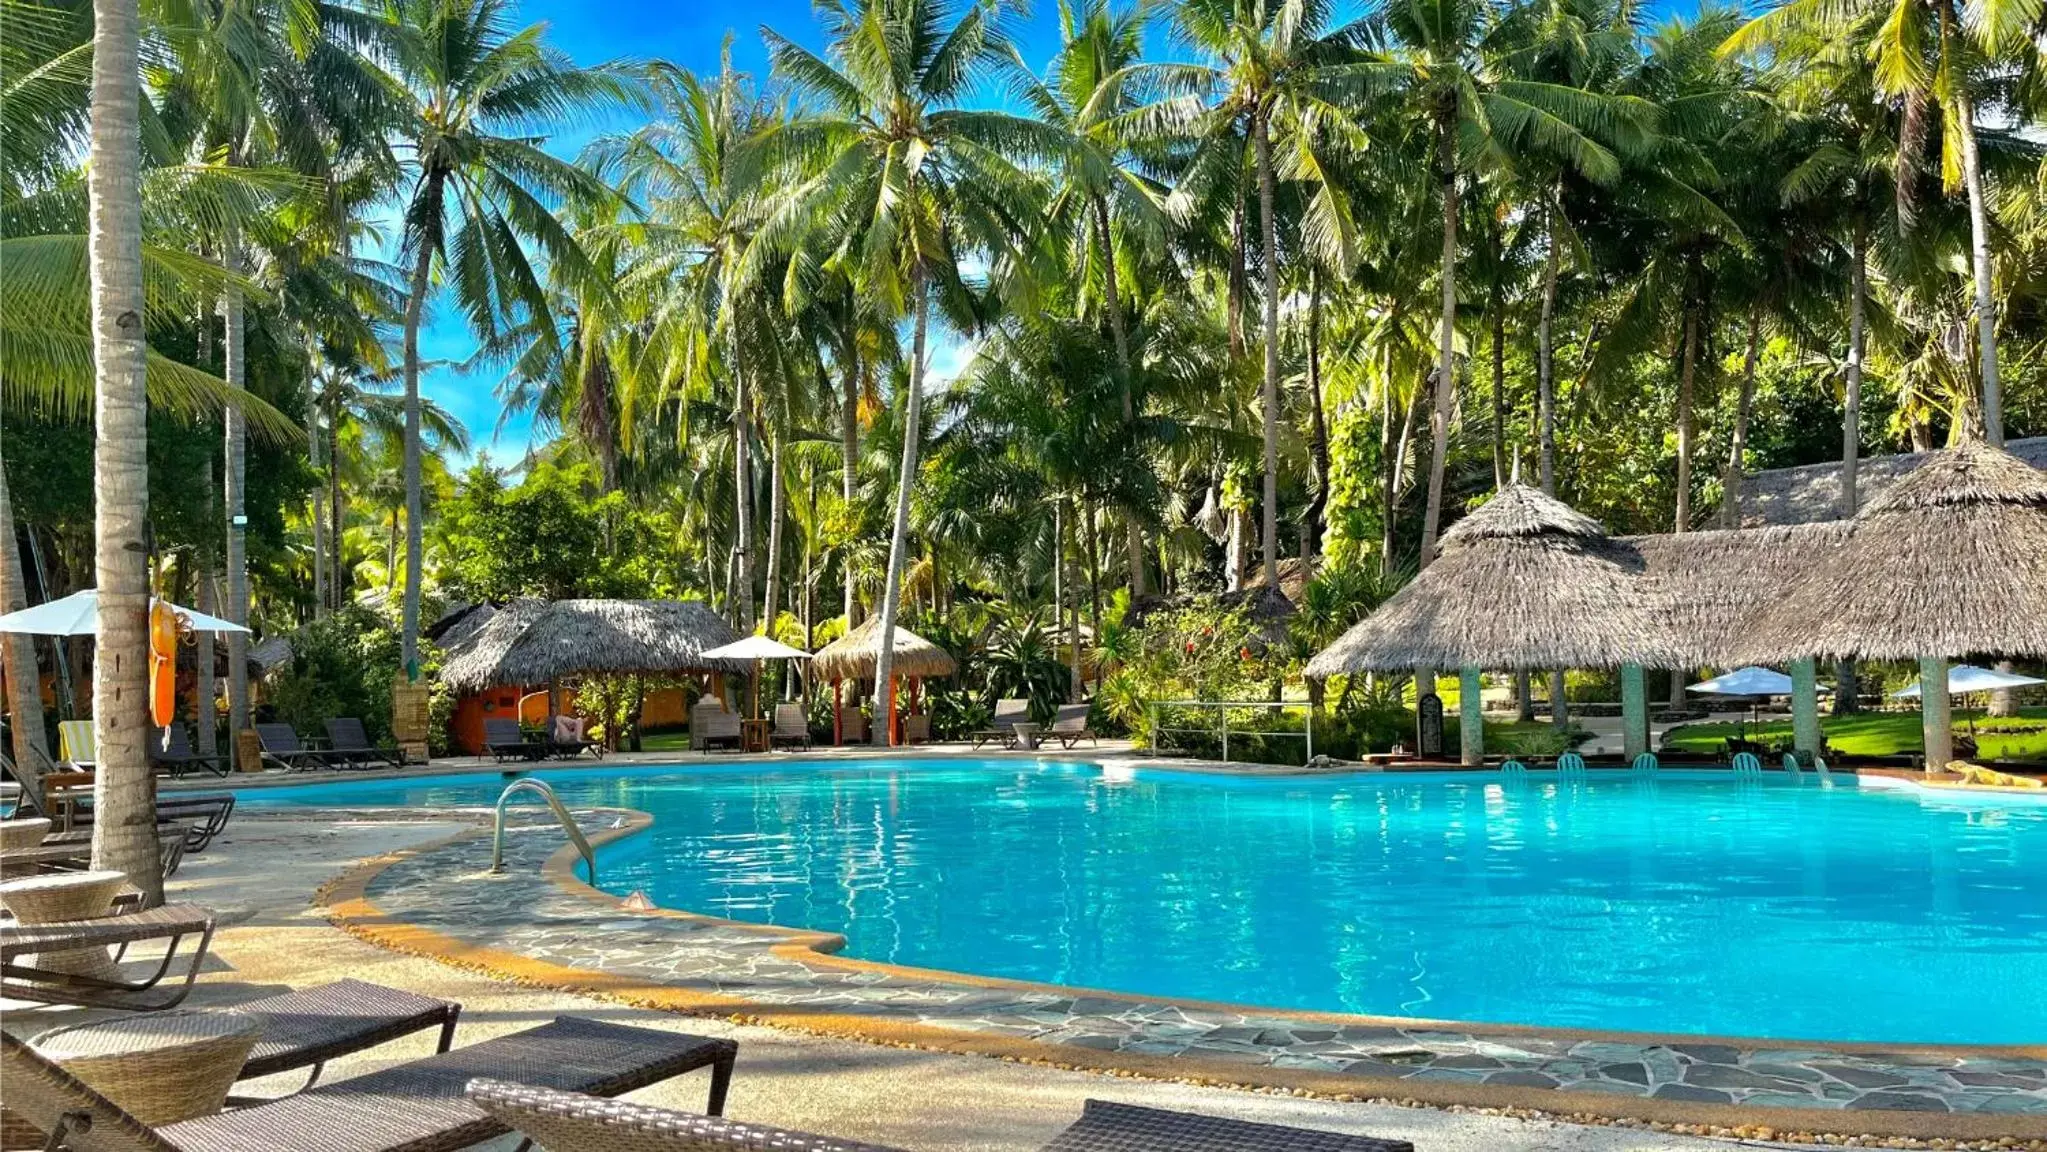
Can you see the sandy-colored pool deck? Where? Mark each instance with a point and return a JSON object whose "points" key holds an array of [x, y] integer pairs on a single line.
{"points": [[262, 874]]}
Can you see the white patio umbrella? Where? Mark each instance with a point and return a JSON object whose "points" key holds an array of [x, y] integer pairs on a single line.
{"points": [[1969, 678], [79, 613], [756, 649], [1750, 681]]}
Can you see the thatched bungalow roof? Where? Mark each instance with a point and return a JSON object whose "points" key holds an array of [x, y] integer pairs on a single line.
{"points": [[1951, 561], [1525, 582], [854, 655], [1709, 587], [1812, 492], [534, 642]]}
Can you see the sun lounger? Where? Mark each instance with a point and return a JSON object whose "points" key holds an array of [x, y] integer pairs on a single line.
{"points": [[791, 726], [171, 923], [202, 816], [347, 741], [567, 740], [852, 724], [710, 723], [1007, 714], [76, 745], [414, 1107], [282, 747], [74, 854], [503, 740], [170, 749], [305, 1029], [1069, 726], [568, 1122]]}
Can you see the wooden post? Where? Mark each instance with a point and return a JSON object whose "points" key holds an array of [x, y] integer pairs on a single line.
{"points": [[1634, 712], [838, 708], [1935, 720], [895, 730], [1470, 718], [1805, 708]]}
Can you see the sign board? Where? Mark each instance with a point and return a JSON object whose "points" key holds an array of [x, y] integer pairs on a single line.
{"points": [[1429, 726], [409, 718]]}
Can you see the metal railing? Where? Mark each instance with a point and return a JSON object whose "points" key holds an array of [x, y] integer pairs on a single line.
{"points": [[561, 813], [1222, 729]]}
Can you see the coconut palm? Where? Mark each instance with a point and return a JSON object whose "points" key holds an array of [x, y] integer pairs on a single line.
{"points": [[907, 181], [470, 90]]}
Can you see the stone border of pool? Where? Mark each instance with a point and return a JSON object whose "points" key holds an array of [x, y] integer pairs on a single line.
{"points": [[695, 964]]}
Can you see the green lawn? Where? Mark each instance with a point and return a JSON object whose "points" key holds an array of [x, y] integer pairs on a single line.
{"points": [[1884, 734], [665, 742]]}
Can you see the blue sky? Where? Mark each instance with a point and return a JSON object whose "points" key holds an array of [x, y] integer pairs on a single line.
{"points": [[690, 33]]}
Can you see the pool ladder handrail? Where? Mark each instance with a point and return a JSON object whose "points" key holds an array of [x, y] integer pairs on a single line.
{"points": [[561, 813]]}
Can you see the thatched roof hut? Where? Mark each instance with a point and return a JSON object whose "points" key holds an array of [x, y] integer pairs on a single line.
{"points": [[854, 655], [535, 642], [1523, 583], [1812, 492], [1709, 587], [1951, 561]]}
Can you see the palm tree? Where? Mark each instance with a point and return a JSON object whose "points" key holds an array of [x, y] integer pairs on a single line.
{"points": [[906, 179], [1277, 70], [124, 786], [470, 90]]}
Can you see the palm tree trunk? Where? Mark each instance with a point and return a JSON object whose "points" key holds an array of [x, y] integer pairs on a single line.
{"points": [[1686, 375], [1268, 536], [1851, 402], [1496, 307], [1979, 252], [1737, 448], [317, 442], [18, 652], [205, 709], [1446, 361], [1059, 575], [1545, 361], [339, 586], [742, 489], [849, 459], [1133, 537], [408, 651], [1318, 427], [124, 788], [391, 555], [898, 545], [771, 604], [234, 328]]}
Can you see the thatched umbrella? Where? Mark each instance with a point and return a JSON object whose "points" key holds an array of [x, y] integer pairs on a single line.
{"points": [[854, 656], [1950, 562], [1523, 583], [544, 642]]}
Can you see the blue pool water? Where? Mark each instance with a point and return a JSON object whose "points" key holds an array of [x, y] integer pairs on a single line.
{"points": [[1789, 908]]}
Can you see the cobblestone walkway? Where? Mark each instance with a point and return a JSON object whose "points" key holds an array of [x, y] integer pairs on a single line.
{"points": [[521, 912]]}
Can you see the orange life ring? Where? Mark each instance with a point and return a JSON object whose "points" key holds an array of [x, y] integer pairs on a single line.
{"points": [[163, 663]]}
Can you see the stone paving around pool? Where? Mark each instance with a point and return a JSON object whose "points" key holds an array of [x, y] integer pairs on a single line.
{"points": [[522, 912]]}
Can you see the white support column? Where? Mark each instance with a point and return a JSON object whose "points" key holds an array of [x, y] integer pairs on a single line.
{"points": [[1470, 718], [1805, 708], [1634, 712], [1934, 719]]}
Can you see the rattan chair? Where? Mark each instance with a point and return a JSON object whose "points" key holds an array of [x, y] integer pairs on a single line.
{"points": [[567, 1122], [20, 979], [791, 726], [1003, 727], [416, 1107]]}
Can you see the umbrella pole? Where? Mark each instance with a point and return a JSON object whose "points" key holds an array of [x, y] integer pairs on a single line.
{"points": [[1936, 723]]}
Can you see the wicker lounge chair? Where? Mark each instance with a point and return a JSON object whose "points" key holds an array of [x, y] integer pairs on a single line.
{"points": [[917, 728], [171, 750], [852, 724], [503, 740], [791, 726], [710, 723], [1003, 727], [202, 816], [172, 923], [282, 747], [348, 742], [567, 1122], [567, 740], [414, 1107], [306, 1029], [1070, 726], [73, 853]]}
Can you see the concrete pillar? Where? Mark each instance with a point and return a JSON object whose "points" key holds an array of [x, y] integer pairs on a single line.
{"points": [[1934, 719], [1634, 712], [1805, 707], [1470, 718]]}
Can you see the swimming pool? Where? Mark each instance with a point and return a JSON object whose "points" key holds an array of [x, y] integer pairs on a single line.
{"points": [[1790, 908]]}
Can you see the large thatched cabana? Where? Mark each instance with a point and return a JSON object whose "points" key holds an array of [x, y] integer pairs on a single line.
{"points": [[535, 642], [855, 655], [1523, 583], [1710, 587], [1949, 562]]}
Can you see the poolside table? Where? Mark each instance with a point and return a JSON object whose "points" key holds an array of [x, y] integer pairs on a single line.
{"points": [[160, 1067], [62, 896], [1026, 735]]}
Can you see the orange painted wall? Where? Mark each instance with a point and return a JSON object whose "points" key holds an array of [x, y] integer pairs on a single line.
{"points": [[663, 708]]}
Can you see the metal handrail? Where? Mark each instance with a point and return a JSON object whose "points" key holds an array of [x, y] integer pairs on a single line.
{"points": [[561, 813]]}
